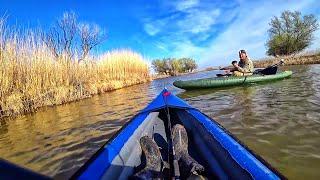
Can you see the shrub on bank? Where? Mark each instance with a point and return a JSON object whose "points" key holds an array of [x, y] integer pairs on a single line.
{"points": [[174, 66]]}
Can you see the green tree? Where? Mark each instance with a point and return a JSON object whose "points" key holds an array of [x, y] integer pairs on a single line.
{"points": [[160, 66], [290, 33], [173, 66], [189, 64]]}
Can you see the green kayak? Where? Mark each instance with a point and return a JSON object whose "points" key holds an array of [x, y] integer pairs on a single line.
{"points": [[229, 81]]}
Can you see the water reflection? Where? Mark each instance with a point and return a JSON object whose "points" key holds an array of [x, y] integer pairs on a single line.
{"points": [[278, 120]]}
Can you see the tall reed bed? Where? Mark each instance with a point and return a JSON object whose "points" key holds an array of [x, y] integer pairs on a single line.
{"points": [[31, 77]]}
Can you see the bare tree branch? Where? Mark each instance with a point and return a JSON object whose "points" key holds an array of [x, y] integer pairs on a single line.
{"points": [[91, 35], [67, 35], [60, 37]]}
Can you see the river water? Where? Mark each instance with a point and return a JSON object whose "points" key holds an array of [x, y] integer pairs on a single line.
{"points": [[280, 121]]}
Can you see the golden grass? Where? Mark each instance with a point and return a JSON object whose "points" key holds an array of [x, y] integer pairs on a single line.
{"points": [[31, 77], [307, 58]]}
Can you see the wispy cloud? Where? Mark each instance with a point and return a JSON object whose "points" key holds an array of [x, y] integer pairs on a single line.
{"points": [[161, 46], [151, 29], [186, 4], [154, 26], [197, 21]]}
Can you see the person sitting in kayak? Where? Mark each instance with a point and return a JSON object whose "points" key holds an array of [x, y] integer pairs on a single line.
{"points": [[245, 65]]}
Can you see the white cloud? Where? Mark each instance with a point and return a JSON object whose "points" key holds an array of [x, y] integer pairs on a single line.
{"points": [[154, 27], [151, 29], [316, 42], [198, 21], [187, 49], [186, 4], [188, 19], [161, 46]]}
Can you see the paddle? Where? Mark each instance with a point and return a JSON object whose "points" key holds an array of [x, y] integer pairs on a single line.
{"points": [[223, 75]]}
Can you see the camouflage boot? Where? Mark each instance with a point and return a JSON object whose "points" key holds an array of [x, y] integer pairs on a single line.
{"points": [[187, 165], [153, 160]]}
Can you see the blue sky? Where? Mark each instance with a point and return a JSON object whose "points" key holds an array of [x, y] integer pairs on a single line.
{"points": [[211, 31]]}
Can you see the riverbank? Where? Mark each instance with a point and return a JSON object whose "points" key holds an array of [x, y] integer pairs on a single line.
{"points": [[289, 60], [31, 77], [162, 76]]}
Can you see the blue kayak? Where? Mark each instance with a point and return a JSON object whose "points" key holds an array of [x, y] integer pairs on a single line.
{"points": [[220, 153], [209, 144]]}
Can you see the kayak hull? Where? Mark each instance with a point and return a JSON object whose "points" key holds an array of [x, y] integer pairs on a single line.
{"points": [[229, 81]]}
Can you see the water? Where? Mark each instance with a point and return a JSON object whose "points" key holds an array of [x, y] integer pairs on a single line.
{"points": [[280, 121]]}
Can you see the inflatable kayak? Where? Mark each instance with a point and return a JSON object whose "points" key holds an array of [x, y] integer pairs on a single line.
{"points": [[229, 81], [143, 149], [219, 153]]}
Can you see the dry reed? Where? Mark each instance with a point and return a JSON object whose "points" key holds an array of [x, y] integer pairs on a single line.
{"points": [[306, 58], [31, 77]]}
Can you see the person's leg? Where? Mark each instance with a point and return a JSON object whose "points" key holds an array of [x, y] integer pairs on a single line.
{"points": [[237, 73], [187, 165], [152, 170]]}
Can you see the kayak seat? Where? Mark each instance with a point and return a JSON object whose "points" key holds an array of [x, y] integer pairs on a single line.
{"points": [[271, 70]]}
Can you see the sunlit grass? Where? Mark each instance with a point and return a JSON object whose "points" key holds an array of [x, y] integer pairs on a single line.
{"points": [[31, 77], [300, 59]]}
